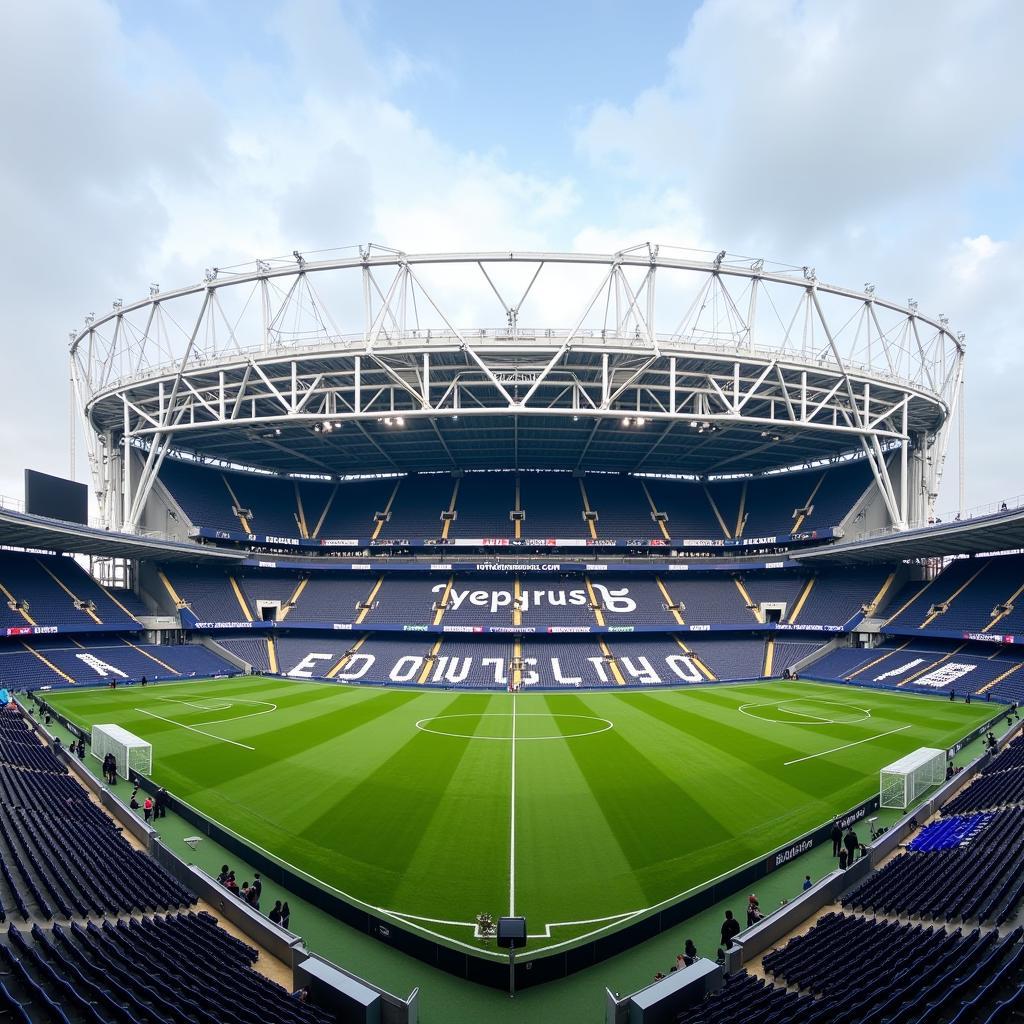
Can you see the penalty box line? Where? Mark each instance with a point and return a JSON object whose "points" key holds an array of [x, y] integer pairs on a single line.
{"points": [[192, 728], [867, 739]]}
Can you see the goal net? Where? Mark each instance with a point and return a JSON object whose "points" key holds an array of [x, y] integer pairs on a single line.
{"points": [[130, 752], [903, 781]]}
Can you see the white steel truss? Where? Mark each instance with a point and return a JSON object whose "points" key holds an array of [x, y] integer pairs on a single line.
{"points": [[727, 366]]}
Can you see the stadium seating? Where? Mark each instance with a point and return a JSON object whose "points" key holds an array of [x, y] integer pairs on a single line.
{"points": [[972, 595], [902, 973], [980, 876], [930, 666], [55, 591], [553, 504]]}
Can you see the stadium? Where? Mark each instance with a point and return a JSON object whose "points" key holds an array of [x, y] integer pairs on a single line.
{"points": [[513, 616]]}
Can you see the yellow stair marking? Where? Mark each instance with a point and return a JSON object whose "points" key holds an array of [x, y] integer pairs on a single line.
{"points": [[430, 660], [272, 654], [327, 508], [999, 679], [451, 508], [368, 603], [586, 508], [952, 597], [241, 598], [152, 657], [518, 526], [301, 517], [696, 659], [650, 501], [871, 664], [291, 602], [598, 614], [46, 661], [801, 600], [905, 606], [928, 668], [387, 509], [517, 614], [873, 604], [236, 503], [175, 596], [810, 501], [718, 515], [769, 657], [748, 600], [739, 511], [115, 600], [668, 600], [443, 603], [517, 660], [67, 590], [612, 663], [1013, 597], [340, 664], [76, 643], [21, 611]]}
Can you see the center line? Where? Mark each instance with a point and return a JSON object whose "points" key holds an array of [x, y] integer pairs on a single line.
{"points": [[512, 823]]}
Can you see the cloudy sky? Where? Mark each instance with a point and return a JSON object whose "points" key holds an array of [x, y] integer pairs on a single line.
{"points": [[876, 141]]}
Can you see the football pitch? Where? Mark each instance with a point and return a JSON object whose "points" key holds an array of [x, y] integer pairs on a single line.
{"points": [[581, 811]]}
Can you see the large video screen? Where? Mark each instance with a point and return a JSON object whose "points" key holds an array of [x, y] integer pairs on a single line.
{"points": [[56, 497]]}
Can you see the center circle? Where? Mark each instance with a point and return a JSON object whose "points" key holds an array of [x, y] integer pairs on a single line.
{"points": [[498, 726]]}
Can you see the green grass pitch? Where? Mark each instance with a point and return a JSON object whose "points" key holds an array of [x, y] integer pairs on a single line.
{"points": [[422, 806]]}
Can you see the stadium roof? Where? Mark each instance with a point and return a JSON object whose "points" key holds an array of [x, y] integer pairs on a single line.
{"points": [[1003, 531], [18, 529]]}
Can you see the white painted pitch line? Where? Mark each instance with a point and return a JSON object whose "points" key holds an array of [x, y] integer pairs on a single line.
{"points": [[512, 823], [192, 728], [855, 743], [269, 708]]}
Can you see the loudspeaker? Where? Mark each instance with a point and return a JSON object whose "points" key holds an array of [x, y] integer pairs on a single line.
{"points": [[511, 932]]}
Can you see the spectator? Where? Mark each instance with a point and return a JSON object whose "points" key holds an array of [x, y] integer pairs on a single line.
{"points": [[843, 860], [231, 885], [160, 803], [753, 910], [1002, 508], [223, 876], [147, 808], [257, 890], [837, 837], [807, 882], [275, 913], [245, 892], [730, 929], [689, 952], [134, 802], [286, 915], [851, 842]]}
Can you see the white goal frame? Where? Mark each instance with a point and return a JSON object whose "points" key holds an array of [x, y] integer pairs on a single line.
{"points": [[131, 752], [903, 781]]}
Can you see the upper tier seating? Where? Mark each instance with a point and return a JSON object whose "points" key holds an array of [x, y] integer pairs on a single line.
{"points": [[552, 502]]}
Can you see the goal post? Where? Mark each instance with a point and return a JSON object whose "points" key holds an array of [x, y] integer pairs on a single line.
{"points": [[131, 752], [903, 781]]}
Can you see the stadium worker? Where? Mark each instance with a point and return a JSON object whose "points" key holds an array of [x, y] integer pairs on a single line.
{"points": [[730, 929], [160, 803], [807, 883], [256, 890], [844, 860], [852, 844], [837, 838], [275, 913]]}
